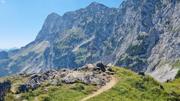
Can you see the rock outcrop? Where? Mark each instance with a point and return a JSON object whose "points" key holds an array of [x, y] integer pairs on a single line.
{"points": [[4, 88], [89, 74]]}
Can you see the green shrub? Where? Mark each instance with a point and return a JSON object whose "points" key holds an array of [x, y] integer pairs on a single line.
{"points": [[79, 87], [178, 75]]}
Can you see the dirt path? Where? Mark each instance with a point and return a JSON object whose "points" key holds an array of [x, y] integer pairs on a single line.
{"points": [[108, 86]]}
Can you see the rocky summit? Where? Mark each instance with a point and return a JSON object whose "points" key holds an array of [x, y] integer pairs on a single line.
{"points": [[142, 35]]}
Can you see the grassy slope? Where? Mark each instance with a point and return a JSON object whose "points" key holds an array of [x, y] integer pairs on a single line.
{"points": [[131, 87], [55, 93]]}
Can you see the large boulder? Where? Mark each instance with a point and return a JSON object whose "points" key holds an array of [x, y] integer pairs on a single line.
{"points": [[101, 67], [94, 67], [35, 81]]}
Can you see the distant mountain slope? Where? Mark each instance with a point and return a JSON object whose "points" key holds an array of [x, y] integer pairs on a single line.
{"points": [[142, 35]]}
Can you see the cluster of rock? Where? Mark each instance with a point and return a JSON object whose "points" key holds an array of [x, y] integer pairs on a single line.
{"points": [[98, 74], [4, 88]]}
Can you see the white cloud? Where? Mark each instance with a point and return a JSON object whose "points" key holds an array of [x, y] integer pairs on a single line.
{"points": [[2, 1]]}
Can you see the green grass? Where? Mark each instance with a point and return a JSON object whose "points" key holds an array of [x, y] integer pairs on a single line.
{"points": [[70, 92], [130, 87], [173, 87]]}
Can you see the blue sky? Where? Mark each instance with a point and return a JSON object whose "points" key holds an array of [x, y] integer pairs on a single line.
{"points": [[21, 20]]}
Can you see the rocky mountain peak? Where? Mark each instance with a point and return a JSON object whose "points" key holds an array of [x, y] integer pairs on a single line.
{"points": [[142, 35], [48, 26], [94, 5], [53, 14]]}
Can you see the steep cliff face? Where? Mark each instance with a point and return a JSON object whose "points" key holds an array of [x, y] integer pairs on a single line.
{"points": [[165, 54], [143, 35]]}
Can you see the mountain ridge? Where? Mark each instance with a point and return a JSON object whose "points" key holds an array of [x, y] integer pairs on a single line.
{"points": [[139, 35]]}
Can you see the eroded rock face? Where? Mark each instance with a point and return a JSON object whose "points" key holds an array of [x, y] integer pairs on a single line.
{"points": [[165, 73], [4, 88]]}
